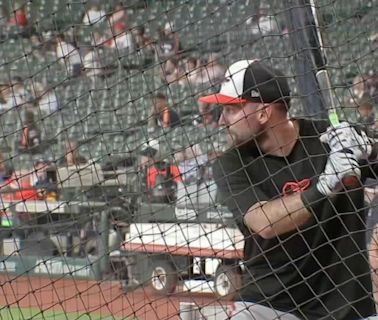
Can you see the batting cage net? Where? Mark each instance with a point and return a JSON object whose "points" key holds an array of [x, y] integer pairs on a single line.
{"points": [[188, 159]]}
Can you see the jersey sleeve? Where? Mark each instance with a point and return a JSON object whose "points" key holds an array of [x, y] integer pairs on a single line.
{"points": [[235, 186]]}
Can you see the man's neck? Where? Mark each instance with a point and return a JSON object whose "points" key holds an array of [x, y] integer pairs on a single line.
{"points": [[280, 138]]}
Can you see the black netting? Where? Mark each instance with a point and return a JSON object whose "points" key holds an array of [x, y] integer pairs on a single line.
{"points": [[126, 194]]}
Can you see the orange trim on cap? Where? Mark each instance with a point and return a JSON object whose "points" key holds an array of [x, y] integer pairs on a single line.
{"points": [[219, 98]]}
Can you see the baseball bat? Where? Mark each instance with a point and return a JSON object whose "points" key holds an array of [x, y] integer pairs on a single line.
{"points": [[322, 75], [324, 82], [349, 182], [328, 97]]}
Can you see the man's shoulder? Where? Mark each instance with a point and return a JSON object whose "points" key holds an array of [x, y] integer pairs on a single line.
{"points": [[312, 127]]}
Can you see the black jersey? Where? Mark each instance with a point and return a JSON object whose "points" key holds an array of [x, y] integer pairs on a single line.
{"points": [[318, 272]]}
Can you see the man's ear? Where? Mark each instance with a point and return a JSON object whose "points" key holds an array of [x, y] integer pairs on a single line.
{"points": [[265, 112]]}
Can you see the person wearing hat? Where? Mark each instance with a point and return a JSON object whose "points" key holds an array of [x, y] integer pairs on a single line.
{"points": [[168, 43], [161, 176], [305, 253]]}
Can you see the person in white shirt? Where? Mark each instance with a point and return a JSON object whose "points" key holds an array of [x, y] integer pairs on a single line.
{"points": [[123, 41], [67, 54], [191, 164], [14, 94], [11, 98], [47, 101], [91, 63], [94, 15], [194, 188], [122, 38]]}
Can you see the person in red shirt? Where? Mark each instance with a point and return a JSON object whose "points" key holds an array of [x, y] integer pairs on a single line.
{"points": [[18, 18], [162, 168], [161, 176], [162, 179], [19, 187]]}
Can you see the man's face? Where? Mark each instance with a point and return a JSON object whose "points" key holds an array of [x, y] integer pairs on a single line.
{"points": [[241, 122]]}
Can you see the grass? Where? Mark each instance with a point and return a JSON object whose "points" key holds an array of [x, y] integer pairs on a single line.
{"points": [[35, 314]]}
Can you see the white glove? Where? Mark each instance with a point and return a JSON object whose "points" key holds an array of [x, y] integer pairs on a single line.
{"points": [[339, 165], [344, 137]]}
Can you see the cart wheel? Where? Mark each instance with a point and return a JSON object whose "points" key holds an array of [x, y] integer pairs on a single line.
{"points": [[227, 281], [163, 276]]}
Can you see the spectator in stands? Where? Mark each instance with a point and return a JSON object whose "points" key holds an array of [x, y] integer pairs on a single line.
{"points": [[170, 71], [3, 176], [261, 22], [192, 74], [141, 41], [209, 115], [19, 187], [121, 37], [15, 94], [160, 167], [10, 99], [213, 71], [118, 15], [18, 18], [367, 116], [364, 85], [161, 176], [92, 64], [94, 14], [168, 44], [3, 23], [41, 181], [38, 47], [98, 40], [68, 55], [31, 135], [40, 172], [191, 163], [195, 170], [118, 29], [148, 153], [358, 88], [46, 99], [161, 114], [72, 157], [366, 111], [5, 170]]}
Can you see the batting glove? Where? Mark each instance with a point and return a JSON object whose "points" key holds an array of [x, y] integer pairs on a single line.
{"points": [[339, 165], [344, 137]]}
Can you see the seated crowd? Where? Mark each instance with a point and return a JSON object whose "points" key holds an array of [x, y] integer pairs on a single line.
{"points": [[113, 31]]}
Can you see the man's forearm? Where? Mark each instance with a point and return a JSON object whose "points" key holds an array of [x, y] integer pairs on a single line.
{"points": [[277, 216]]}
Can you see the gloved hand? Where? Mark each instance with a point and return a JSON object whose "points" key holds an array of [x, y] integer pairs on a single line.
{"points": [[339, 165], [344, 137]]}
